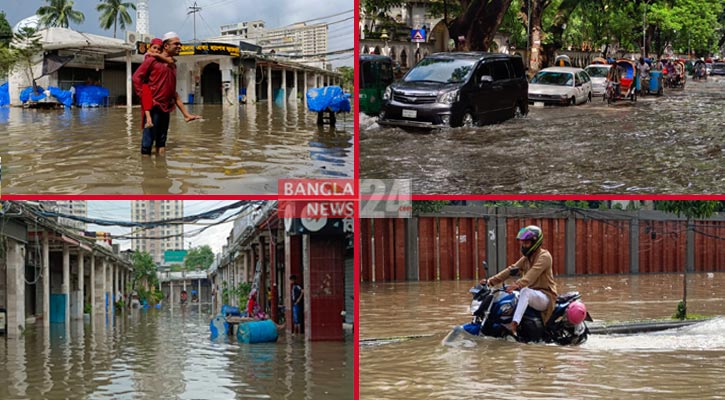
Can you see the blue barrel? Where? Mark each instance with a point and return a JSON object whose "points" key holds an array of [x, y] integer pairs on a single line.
{"points": [[654, 81], [257, 332], [218, 327], [191, 98], [229, 310]]}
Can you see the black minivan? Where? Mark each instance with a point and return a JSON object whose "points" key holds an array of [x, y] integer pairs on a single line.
{"points": [[457, 89]]}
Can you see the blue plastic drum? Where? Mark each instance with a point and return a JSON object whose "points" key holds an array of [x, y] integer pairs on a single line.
{"points": [[257, 332]]}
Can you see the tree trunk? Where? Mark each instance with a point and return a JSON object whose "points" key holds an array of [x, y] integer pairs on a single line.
{"points": [[537, 11], [478, 24]]}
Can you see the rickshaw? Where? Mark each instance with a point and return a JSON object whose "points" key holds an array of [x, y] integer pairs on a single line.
{"points": [[699, 70], [562, 61], [622, 82], [376, 74], [675, 75]]}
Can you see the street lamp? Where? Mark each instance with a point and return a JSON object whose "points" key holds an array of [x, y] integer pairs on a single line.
{"points": [[384, 36]]}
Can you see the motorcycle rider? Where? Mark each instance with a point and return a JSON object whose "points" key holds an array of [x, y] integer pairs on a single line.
{"points": [[536, 286]]}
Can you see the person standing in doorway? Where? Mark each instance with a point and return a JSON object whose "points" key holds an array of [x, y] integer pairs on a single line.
{"points": [[297, 298], [161, 78]]}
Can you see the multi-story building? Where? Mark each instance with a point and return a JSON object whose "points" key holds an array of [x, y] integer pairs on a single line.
{"points": [[245, 30], [296, 39], [72, 207], [157, 210]]}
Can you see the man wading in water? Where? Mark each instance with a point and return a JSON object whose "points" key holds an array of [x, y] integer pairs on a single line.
{"points": [[161, 78]]}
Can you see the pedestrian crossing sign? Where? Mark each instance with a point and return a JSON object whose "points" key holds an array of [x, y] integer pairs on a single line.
{"points": [[417, 35]]}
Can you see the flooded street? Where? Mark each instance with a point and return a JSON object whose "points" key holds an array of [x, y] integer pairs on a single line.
{"points": [[168, 354], [671, 144], [232, 150], [687, 362]]}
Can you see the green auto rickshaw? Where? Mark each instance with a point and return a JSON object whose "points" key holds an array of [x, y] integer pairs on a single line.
{"points": [[376, 73]]}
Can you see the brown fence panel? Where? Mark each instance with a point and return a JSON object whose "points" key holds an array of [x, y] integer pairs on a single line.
{"points": [[366, 263], [379, 230], [481, 240], [399, 245], [709, 246], [426, 249], [602, 247], [447, 250], [466, 248], [662, 246]]}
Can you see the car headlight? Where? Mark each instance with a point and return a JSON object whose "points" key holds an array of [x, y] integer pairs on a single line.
{"points": [[448, 97], [388, 93]]}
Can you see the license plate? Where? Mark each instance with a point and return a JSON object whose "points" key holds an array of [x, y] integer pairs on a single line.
{"points": [[538, 104], [410, 113]]}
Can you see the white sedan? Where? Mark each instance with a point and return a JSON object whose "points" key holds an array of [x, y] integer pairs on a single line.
{"points": [[560, 85], [598, 74]]}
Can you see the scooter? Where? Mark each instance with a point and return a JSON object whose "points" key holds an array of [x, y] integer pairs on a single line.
{"points": [[492, 311]]}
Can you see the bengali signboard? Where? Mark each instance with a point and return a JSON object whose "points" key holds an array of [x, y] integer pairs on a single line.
{"points": [[215, 49]]}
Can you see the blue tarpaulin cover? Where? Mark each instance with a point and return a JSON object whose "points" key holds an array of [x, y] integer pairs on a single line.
{"points": [[332, 97], [4, 94], [63, 96], [91, 95], [28, 94]]}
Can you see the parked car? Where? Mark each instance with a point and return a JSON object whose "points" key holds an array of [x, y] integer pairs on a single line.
{"points": [[457, 89], [560, 85], [598, 74], [718, 68]]}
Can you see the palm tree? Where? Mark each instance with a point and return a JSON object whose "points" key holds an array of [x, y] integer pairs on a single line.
{"points": [[114, 12], [59, 13]]}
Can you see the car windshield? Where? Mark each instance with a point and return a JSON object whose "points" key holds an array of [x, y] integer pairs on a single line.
{"points": [[554, 78], [441, 70], [597, 72]]}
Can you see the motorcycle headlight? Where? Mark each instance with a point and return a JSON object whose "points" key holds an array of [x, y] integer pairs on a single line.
{"points": [[448, 97], [388, 93], [474, 306]]}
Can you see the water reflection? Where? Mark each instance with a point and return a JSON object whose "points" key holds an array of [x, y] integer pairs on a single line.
{"points": [[168, 354], [682, 363], [232, 150]]}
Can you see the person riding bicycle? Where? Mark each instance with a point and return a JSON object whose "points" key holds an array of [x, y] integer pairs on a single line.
{"points": [[536, 286]]}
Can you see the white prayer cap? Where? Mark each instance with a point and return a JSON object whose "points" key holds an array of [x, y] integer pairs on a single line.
{"points": [[169, 35]]}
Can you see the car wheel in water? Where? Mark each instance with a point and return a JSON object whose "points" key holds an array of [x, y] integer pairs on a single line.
{"points": [[467, 120], [521, 110], [590, 97], [573, 101]]}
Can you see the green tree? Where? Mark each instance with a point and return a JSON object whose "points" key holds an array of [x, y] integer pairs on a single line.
{"points": [[199, 258], [24, 51], [475, 20], [115, 12], [144, 268], [59, 13], [348, 78], [690, 209], [6, 31], [428, 206]]}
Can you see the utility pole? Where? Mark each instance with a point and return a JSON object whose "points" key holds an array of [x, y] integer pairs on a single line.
{"points": [[193, 10]]}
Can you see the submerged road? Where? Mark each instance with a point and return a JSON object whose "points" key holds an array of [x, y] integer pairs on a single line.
{"points": [[669, 144]]}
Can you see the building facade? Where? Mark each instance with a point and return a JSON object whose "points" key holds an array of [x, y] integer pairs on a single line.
{"points": [[77, 208], [296, 39], [155, 210]]}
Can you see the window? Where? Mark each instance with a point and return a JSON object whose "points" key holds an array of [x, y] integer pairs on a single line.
{"points": [[500, 71]]}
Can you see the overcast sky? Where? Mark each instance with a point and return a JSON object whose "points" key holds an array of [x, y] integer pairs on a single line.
{"points": [[171, 15], [215, 236]]}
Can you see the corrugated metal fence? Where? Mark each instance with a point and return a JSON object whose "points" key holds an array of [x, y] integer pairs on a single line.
{"points": [[453, 245]]}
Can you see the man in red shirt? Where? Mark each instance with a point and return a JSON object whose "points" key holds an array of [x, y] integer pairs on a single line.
{"points": [[161, 78]]}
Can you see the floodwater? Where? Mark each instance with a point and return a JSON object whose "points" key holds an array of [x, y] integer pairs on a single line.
{"points": [[163, 355], [233, 150], [671, 144], [684, 363]]}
